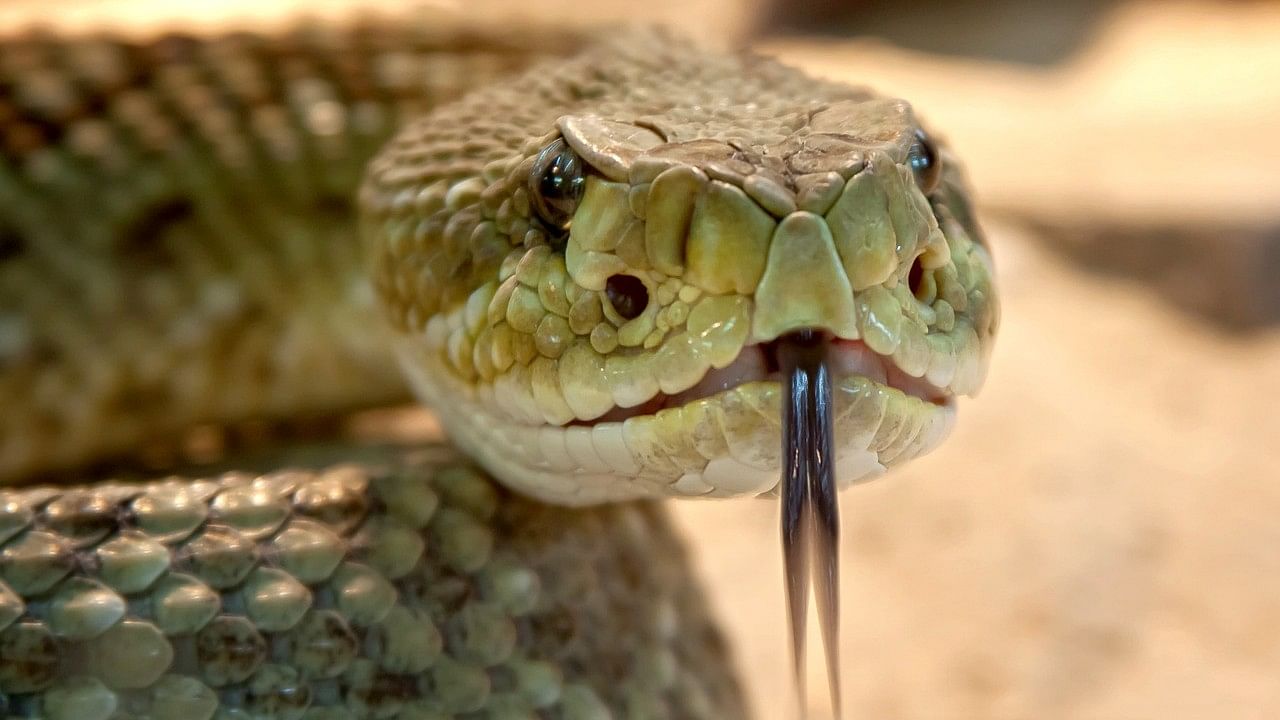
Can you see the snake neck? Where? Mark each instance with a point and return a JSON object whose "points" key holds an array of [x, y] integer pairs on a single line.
{"points": [[178, 244]]}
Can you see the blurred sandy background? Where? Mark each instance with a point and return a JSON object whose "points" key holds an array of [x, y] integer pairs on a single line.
{"points": [[1101, 537]]}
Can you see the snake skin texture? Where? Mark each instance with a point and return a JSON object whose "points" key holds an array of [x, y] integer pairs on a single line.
{"points": [[176, 251], [407, 585], [734, 200], [207, 231], [177, 224]]}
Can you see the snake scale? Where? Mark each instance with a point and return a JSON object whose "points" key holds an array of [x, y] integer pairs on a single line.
{"points": [[589, 256]]}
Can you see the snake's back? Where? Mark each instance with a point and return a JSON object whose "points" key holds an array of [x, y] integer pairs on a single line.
{"points": [[358, 583], [177, 223]]}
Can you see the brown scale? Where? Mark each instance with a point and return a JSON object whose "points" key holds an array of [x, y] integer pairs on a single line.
{"points": [[175, 186], [347, 625]]}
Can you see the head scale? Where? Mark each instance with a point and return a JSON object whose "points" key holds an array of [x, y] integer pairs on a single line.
{"points": [[586, 267]]}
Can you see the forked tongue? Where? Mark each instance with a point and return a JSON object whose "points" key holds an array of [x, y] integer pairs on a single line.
{"points": [[810, 513]]}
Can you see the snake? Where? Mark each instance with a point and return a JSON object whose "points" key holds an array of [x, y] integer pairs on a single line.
{"points": [[616, 265]]}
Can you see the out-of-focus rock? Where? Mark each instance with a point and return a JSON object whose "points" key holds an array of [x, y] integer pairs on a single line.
{"points": [[1225, 274], [1024, 31]]}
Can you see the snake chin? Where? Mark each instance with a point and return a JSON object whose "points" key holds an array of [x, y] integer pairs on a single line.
{"points": [[758, 363]]}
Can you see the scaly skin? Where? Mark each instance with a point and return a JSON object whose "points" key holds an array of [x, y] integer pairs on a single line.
{"points": [[177, 221], [407, 585], [177, 248], [749, 199]]}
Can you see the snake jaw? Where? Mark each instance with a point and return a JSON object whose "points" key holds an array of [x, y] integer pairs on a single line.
{"points": [[758, 362], [724, 444]]}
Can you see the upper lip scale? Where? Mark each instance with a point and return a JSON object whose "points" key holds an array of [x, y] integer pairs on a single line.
{"points": [[848, 357]]}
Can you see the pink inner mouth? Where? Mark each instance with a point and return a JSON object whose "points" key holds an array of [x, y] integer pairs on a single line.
{"points": [[757, 362]]}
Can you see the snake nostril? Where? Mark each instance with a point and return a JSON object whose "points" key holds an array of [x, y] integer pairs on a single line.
{"points": [[627, 294], [915, 278]]}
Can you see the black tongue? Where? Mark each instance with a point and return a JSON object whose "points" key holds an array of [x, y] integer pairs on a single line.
{"points": [[810, 513]]}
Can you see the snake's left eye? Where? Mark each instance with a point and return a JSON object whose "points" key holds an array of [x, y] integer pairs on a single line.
{"points": [[556, 184], [925, 163]]}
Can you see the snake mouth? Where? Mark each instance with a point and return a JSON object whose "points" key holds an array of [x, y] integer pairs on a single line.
{"points": [[758, 362]]}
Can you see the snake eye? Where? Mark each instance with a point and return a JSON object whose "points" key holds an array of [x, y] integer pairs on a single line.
{"points": [[925, 163], [556, 184], [627, 294]]}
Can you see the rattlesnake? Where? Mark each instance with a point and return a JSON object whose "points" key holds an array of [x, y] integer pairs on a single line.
{"points": [[601, 273]]}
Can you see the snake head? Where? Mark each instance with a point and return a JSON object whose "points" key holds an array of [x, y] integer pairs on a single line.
{"points": [[588, 282]]}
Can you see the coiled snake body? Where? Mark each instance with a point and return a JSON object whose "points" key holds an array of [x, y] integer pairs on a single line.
{"points": [[590, 270]]}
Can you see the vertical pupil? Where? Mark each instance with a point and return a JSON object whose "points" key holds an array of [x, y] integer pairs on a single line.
{"points": [[559, 185]]}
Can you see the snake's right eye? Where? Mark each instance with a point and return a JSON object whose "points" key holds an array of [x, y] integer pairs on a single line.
{"points": [[556, 184]]}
